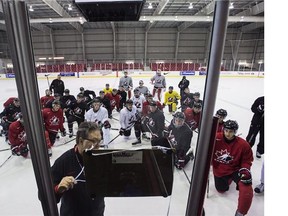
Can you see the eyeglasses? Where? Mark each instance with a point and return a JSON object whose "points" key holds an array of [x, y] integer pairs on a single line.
{"points": [[94, 141]]}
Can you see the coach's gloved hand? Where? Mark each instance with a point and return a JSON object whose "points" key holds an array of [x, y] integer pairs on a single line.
{"points": [[245, 176], [66, 183], [63, 133], [121, 132], [106, 124]]}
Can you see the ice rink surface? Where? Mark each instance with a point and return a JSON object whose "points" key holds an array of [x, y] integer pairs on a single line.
{"points": [[18, 188]]}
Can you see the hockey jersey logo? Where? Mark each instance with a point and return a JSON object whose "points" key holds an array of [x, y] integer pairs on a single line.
{"points": [[137, 104], [151, 122], [54, 121], [22, 136], [187, 101], [172, 140], [158, 81], [77, 110], [170, 99], [68, 102], [223, 156], [113, 103]]}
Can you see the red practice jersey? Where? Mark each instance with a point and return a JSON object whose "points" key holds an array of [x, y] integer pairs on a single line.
{"points": [[230, 157], [191, 118], [17, 135], [53, 120]]}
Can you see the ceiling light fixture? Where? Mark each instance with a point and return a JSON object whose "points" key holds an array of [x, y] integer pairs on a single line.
{"points": [[231, 5], [50, 20], [150, 6], [70, 7], [31, 8], [190, 6]]}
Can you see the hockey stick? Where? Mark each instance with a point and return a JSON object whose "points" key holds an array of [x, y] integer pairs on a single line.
{"points": [[115, 118], [46, 75], [114, 129], [207, 193], [5, 149], [110, 141], [5, 160], [65, 142], [187, 176]]}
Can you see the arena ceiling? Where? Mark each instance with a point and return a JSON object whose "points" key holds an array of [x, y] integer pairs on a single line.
{"points": [[49, 15]]}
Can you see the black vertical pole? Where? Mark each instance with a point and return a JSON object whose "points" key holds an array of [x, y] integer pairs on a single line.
{"points": [[19, 38], [202, 158]]}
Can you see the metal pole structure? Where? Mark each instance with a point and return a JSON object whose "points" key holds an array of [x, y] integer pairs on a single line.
{"points": [[200, 172], [19, 38]]}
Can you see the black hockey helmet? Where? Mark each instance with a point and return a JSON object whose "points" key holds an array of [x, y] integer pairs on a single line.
{"points": [[170, 87], [80, 95], [231, 125], [67, 91], [153, 103], [101, 92], [180, 115], [197, 94], [81, 89], [114, 90], [221, 112], [136, 91], [197, 105], [129, 101]]}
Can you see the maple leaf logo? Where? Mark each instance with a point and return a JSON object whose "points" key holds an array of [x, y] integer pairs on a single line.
{"points": [[223, 156]]}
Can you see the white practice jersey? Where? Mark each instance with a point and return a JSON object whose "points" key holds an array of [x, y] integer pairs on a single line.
{"points": [[143, 90], [138, 102], [100, 115], [126, 82], [159, 81], [127, 118]]}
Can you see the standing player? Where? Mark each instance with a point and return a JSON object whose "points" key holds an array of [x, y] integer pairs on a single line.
{"points": [[141, 88], [171, 99], [184, 83], [53, 120], [127, 83], [75, 112], [99, 115], [129, 118], [138, 100], [123, 96], [232, 160], [257, 126], [159, 83], [221, 114], [57, 86]]}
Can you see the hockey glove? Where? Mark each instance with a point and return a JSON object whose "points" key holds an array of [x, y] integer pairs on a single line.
{"points": [[245, 176], [107, 124], [24, 151], [3, 119], [63, 133], [15, 150], [121, 132], [66, 183]]}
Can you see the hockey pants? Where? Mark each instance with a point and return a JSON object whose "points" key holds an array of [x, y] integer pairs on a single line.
{"points": [[172, 107], [245, 190]]}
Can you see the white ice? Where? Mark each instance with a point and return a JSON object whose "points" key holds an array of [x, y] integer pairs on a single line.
{"points": [[18, 189]]}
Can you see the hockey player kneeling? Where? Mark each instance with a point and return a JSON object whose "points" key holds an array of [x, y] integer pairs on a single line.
{"points": [[178, 137]]}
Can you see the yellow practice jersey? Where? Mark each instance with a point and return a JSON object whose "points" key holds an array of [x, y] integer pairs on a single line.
{"points": [[171, 97], [107, 90]]}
